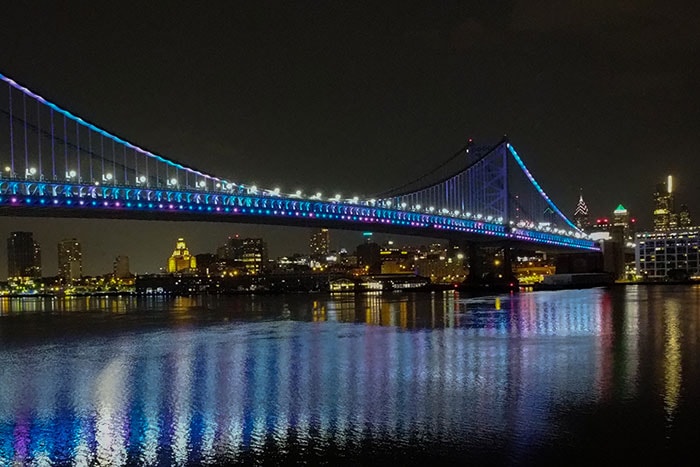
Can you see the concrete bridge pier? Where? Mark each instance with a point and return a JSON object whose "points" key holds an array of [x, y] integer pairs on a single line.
{"points": [[490, 267]]}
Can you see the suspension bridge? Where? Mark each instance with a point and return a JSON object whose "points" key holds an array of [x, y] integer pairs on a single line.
{"points": [[55, 164]]}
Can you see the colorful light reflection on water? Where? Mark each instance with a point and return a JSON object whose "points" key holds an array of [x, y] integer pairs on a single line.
{"points": [[341, 378]]}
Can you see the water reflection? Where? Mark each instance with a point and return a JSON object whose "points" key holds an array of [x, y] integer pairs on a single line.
{"points": [[248, 379]]}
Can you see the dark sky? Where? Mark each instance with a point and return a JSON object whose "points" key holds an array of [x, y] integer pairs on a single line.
{"points": [[358, 97]]}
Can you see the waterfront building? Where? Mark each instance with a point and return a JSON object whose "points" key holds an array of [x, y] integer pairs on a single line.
{"points": [[70, 260], [120, 267], [669, 254], [441, 264], [247, 255], [23, 256], [320, 243], [181, 260]]}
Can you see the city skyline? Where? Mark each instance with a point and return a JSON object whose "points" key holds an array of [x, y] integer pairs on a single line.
{"points": [[339, 92]]}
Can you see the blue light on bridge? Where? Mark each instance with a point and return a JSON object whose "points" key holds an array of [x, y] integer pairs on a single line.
{"points": [[76, 195]]}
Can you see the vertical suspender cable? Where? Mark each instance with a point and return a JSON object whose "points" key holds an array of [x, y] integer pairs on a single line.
{"points": [[114, 165], [26, 146], [102, 155], [77, 149], [53, 147], [38, 124], [65, 143], [90, 156], [12, 139]]}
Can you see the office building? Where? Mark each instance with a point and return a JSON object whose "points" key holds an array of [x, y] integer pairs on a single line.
{"points": [[670, 254], [23, 256], [247, 255], [70, 260], [684, 220], [581, 218], [320, 243], [664, 214], [181, 260]]}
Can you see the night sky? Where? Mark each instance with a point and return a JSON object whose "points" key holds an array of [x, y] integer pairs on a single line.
{"points": [[356, 98]]}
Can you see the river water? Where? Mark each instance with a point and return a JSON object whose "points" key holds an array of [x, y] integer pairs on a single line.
{"points": [[572, 377]]}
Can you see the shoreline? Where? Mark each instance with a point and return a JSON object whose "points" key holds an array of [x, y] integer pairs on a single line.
{"points": [[433, 288]]}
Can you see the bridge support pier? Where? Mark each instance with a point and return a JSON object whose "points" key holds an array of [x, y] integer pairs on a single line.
{"points": [[490, 268]]}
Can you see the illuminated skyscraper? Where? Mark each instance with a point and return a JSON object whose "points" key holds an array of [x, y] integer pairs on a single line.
{"points": [[621, 216], [70, 260], [664, 213], [581, 214], [181, 260], [320, 243], [23, 255]]}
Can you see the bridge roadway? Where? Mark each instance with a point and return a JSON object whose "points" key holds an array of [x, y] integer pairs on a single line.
{"points": [[64, 199]]}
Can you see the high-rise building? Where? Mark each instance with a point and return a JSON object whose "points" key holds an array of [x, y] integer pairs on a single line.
{"points": [[581, 214], [684, 219], [320, 243], [120, 267], [23, 256], [247, 254], [664, 212], [70, 260], [181, 260]]}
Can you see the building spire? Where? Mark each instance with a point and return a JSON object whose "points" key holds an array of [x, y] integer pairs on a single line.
{"points": [[581, 213]]}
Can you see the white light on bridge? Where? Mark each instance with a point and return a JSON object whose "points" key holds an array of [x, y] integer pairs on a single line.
{"points": [[202, 183], [337, 197], [106, 177], [276, 191], [403, 205], [298, 193], [142, 179], [71, 174], [8, 168]]}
